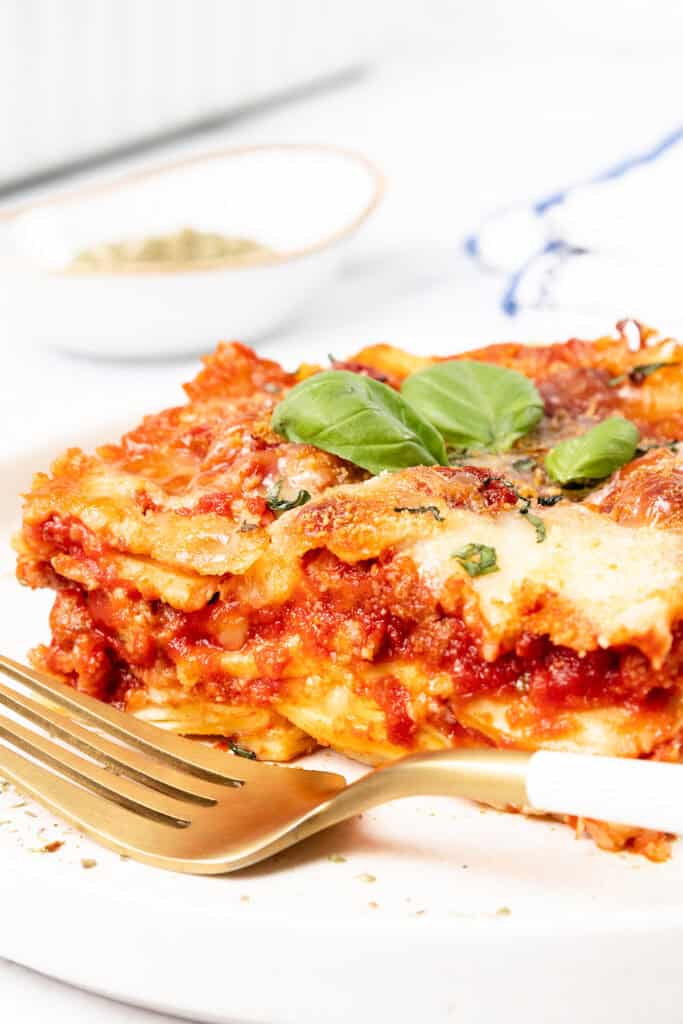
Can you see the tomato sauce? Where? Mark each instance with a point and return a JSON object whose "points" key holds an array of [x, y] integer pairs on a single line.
{"points": [[376, 611]]}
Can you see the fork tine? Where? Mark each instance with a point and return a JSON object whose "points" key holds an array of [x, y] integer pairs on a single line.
{"points": [[183, 754], [146, 802], [117, 758], [111, 824]]}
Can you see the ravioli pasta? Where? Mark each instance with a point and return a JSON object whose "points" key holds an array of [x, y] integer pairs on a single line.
{"points": [[186, 597]]}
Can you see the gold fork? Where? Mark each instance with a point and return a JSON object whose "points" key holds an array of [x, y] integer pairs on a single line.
{"points": [[180, 805]]}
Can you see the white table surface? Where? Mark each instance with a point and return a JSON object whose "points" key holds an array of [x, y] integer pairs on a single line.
{"points": [[456, 140]]}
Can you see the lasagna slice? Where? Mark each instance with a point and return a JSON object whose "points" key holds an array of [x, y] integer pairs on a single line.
{"points": [[216, 579]]}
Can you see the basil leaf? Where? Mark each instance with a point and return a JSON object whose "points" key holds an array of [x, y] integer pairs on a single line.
{"points": [[475, 405], [477, 559], [436, 512], [359, 419], [595, 454], [277, 504]]}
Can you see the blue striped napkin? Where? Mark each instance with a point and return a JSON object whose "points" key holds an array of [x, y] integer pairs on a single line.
{"points": [[609, 245]]}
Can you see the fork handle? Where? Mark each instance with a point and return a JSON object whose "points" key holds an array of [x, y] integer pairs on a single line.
{"points": [[624, 791]]}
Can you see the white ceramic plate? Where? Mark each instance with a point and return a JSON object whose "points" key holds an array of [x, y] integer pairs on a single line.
{"points": [[472, 916]]}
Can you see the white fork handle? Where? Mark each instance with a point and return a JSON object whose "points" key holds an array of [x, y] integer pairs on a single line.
{"points": [[646, 794]]}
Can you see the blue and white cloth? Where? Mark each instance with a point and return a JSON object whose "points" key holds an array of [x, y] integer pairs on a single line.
{"points": [[610, 245]]}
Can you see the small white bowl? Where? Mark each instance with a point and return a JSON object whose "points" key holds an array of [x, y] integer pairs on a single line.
{"points": [[302, 201]]}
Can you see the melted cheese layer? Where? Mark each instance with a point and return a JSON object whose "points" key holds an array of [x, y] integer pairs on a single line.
{"points": [[590, 583]]}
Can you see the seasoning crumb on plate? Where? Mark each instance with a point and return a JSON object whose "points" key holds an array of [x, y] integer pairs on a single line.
{"points": [[337, 858], [88, 862], [52, 847], [366, 877], [373, 905], [245, 899], [503, 912]]}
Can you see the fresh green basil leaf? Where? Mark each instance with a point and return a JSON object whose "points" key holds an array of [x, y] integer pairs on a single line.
{"points": [[277, 504], [595, 454], [359, 419], [477, 559], [474, 404]]}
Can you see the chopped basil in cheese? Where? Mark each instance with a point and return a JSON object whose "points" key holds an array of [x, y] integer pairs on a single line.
{"points": [[536, 521], [477, 559], [436, 512], [278, 504]]}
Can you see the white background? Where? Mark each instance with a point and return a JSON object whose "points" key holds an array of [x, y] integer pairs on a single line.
{"points": [[78, 75], [467, 107]]}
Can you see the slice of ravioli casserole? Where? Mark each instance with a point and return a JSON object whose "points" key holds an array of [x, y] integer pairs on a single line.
{"points": [[215, 578]]}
